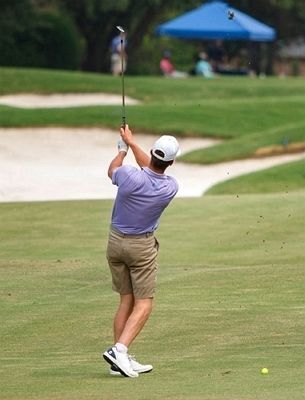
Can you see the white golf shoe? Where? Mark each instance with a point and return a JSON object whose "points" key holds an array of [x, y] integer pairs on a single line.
{"points": [[121, 361], [139, 368], [114, 371], [135, 365]]}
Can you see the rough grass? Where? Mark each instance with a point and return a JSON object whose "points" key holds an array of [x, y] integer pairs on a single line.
{"points": [[230, 301]]}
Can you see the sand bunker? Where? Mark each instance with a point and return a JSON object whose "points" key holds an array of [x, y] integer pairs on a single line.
{"points": [[38, 164], [63, 100]]}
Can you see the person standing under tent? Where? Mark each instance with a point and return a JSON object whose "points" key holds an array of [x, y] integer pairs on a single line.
{"points": [[115, 58]]}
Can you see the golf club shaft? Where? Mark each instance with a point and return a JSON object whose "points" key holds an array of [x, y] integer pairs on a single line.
{"points": [[123, 85]]}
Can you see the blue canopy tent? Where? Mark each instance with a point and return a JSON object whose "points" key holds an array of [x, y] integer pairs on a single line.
{"points": [[210, 21]]}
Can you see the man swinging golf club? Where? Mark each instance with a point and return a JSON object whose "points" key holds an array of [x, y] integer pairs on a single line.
{"points": [[142, 196]]}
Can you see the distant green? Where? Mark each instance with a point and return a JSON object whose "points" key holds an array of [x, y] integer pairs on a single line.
{"points": [[246, 113], [281, 179], [230, 301]]}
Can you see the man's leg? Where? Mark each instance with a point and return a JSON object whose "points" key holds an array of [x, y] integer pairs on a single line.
{"points": [[136, 321], [123, 312], [118, 354]]}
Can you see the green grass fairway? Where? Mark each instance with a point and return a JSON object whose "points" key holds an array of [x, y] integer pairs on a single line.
{"points": [[280, 179], [230, 301]]}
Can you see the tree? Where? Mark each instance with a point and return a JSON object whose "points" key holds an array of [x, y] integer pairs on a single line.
{"points": [[33, 36], [288, 16], [95, 22], [16, 32], [97, 19]]}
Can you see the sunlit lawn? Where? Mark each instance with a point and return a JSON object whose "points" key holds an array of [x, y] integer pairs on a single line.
{"points": [[230, 301]]}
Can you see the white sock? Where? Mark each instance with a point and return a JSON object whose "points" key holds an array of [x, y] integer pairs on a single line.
{"points": [[121, 348]]}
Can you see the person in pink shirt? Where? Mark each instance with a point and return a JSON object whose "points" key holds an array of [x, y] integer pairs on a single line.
{"points": [[166, 66]]}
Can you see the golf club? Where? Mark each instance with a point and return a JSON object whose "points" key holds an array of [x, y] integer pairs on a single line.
{"points": [[122, 33]]}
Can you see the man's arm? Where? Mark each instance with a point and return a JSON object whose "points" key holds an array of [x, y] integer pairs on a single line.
{"points": [[116, 162], [141, 157]]}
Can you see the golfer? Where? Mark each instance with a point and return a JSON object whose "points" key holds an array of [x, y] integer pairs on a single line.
{"points": [[132, 249]]}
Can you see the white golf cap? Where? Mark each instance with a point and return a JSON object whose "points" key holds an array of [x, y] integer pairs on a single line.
{"points": [[168, 145]]}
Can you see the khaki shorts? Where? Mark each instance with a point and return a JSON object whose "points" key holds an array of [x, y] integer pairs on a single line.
{"points": [[132, 262], [116, 64]]}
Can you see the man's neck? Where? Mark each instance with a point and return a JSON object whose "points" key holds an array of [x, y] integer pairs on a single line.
{"points": [[156, 170]]}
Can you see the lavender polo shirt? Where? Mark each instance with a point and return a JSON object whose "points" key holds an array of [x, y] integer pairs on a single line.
{"points": [[141, 198]]}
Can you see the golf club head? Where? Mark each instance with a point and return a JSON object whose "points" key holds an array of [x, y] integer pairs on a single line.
{"points": [[120, 29]]}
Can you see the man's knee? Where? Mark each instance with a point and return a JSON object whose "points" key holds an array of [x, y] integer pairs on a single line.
{"points": [[127, 299], [126, 302]]}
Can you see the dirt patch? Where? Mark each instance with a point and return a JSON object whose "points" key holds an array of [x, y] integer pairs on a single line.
{"points": [[290, 148]]}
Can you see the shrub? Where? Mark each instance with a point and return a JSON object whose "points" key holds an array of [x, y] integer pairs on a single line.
{"points": [[59, 42], [32, 39]]}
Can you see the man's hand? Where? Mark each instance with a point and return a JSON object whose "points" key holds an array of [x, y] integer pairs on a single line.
{"points": [[127, 136], [141, 157]]}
